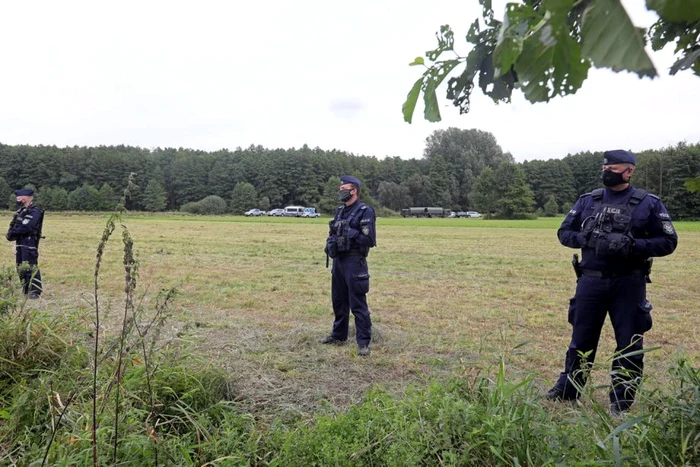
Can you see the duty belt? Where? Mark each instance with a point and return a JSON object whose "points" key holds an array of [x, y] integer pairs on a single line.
{"points": [[612, 275], [351, 253]]}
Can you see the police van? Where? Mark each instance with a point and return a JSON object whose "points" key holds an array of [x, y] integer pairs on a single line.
{"points": [[293, 211]]}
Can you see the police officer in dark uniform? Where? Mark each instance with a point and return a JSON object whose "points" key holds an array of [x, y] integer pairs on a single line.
{"points": [[618, 229], [25, 231], [352, 233]]}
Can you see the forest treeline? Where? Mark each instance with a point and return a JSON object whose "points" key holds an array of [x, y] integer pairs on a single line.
{"points": [[460, 170]]}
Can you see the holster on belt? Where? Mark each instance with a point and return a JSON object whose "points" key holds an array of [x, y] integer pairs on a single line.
{"points": [[577, 267]]}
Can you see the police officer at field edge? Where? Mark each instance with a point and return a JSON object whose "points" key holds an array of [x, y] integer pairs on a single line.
{"points": [[618, 228], [25, 232], [352, 233]]}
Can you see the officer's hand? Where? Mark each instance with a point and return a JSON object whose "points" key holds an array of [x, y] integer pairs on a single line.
{"points": [[583, 238], [331, 248], [613, 244]]}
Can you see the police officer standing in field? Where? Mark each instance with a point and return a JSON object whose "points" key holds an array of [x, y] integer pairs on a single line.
{"points": [[25, 231], [352, 233], [618, 229]]}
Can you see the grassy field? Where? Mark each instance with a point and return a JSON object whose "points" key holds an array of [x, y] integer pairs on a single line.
{"points": [[447, 295]]}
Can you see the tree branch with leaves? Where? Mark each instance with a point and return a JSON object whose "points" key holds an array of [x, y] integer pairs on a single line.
{"points": [[544, 48]]}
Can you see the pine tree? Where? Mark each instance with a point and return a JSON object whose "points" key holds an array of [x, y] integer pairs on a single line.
{"points": [[154, 197]]}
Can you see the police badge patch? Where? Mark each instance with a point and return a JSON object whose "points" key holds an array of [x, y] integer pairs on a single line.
{"points": [[668, 228], [365, 230]]}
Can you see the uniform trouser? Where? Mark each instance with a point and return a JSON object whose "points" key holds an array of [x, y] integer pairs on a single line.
{"points": [[349, 287], [28, 270], [625, 299]]}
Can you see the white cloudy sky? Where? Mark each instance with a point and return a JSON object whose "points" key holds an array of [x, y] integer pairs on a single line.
{"points": [[221, 74]]}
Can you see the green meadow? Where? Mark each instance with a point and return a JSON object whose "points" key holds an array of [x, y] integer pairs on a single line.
{"points": [[255, 296], [450, 298]]}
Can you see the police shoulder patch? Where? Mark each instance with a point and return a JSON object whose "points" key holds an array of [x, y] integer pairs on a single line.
{"points": [[664, 215], [365, 230], [668, 227], [25, 222]]}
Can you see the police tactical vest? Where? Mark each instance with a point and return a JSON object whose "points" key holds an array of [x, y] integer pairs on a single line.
{"points": [[353, 221], [612, 218]]}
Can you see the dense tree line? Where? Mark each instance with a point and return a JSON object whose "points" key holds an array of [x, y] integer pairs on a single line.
{"points": [[460, 170]]}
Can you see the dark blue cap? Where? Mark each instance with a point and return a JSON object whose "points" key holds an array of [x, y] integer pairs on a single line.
{"points": [[24, 192], [619, 156], [349, 179]]}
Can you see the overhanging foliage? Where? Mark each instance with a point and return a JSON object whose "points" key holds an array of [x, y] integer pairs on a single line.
{"points": [[544, 48]]}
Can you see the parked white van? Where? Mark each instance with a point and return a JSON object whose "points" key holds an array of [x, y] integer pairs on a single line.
{"points": [[293, 211]]}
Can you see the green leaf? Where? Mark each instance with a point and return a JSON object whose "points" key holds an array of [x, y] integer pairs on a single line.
{"points": [[410, 105], [417, 61], [432, 109], [473, 33], [511, 36], [431, 80], [677, 11], [629, 423], [446, 41], [610, 40], [487, 11], [551, 63], [690, 60]]}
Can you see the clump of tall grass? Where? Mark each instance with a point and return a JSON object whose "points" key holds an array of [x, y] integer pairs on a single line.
{"points": [[489, 420], [74, 396]]}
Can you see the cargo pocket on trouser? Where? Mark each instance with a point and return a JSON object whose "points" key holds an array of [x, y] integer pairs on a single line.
{"points": [[360, 283], [572, 310], [645, 315]]}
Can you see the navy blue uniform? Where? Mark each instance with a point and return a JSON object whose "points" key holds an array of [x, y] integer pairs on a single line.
{"points": [[352, 233], [613, 277], [24, 231]]}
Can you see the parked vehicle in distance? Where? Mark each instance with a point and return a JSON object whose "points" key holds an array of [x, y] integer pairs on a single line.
{"points": [[310, 212], [472, 214], [293, 211], [278, 212], [254, 213], [425, 212]]}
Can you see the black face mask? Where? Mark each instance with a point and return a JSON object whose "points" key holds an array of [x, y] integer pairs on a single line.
{"points": [[611, 178], [344, 195], [19, 204]]}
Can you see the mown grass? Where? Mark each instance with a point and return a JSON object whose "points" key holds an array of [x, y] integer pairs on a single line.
{"points": [[448, 301], [255, 296]]}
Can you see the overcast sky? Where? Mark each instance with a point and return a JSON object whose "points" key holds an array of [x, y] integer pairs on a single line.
{"points": [[210, 75]]}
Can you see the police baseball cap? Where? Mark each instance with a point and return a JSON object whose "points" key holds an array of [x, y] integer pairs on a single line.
{"points": [[24, 192], [619, 156], [349, 179]]}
